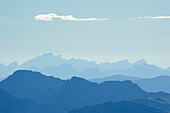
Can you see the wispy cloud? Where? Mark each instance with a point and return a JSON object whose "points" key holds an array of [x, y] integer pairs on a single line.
{"points": [[152, 17], [51, 16]]}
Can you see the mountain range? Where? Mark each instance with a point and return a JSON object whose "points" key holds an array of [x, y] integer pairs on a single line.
{"points": [[156, 84], [117, 77], [28, 91], [57, 66], [160, 83]]}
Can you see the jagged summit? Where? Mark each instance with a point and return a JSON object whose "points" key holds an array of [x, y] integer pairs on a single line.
{"points": [[46, 54], [43, 61], [55, 65], [126, 61], [49, 55], [141, 61]]}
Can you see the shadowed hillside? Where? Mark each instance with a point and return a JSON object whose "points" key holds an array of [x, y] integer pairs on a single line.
{"points": [[119, 107], [78, 92], [59, 96], [157, 102], [10, 104], [31, 85]]}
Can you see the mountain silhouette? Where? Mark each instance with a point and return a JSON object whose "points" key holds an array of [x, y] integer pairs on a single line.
{"points": [[6, 70], [81, 64], [43, 61], [10, 104], [115, 78], [118, 107], [140, 70], [156, 84], [140, 62], [31, 85], [60, 96], [49, 61], [64, 71], [78, 92], [160, 83]]}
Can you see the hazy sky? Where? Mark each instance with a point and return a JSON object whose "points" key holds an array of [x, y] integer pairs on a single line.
{"points": [[101, 30]]}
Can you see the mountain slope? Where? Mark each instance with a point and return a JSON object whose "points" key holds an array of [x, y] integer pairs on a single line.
{"points": [[61, 96], [6, 70], [140, 70], [119, 107], [43, 61], [31, 85], [10, 104], [78, 92], [156, 84], [160, 83], [62, 71], [157, 102]]}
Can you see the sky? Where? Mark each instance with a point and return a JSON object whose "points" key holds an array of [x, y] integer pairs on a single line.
{"points": [[100, 30]]}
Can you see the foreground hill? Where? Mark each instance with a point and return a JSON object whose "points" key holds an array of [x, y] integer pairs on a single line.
{"points": [[31, 85], [118, 107], [78, 92], [60, 96], [10, 104]]}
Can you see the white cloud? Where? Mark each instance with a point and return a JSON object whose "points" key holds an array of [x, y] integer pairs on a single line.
{"points": [[152, 17], [51, 16]]}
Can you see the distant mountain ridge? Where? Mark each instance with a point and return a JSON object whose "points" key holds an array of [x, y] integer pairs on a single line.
{"points": [[83, 68], [156, 84], [160, 83], [114, 78], [64, 70]]}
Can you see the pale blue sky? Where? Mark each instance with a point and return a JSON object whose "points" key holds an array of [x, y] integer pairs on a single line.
{"points": [[22, 37]]}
